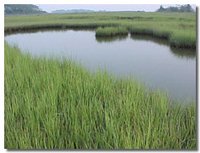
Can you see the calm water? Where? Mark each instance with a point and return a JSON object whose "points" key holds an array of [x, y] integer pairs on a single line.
{"points": [[148, 60]]}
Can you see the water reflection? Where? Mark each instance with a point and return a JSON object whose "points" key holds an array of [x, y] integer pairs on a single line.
{"points": [[46, 29], [150, 38], [147, 59], [184, 53], [110, 39], [178, 52]]}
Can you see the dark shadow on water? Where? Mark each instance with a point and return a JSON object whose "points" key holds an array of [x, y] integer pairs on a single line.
{"points": [[21, 31], [178, 52], [184, 53], [149, 38], [111, 38]]}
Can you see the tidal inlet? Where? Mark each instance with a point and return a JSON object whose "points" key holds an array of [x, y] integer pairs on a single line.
{"points": [[77, 77]]}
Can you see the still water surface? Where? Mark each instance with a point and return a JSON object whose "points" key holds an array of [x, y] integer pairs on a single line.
{"points": [[151, 61]]}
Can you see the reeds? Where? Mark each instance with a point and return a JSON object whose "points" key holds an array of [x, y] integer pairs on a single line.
{"points": [[111, 31], [52, 104], [178, 28]]}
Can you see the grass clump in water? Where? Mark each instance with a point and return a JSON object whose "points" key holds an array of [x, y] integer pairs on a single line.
{"points": [[51, 104], [178, 28], [111, 31], [182, 39]]}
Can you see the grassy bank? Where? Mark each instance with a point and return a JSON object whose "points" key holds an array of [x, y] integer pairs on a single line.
{"points": [[111, 31], [59, 105], [178, 28]]}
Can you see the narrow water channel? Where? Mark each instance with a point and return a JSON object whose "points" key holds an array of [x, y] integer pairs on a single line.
{"points": [[151, 61]]}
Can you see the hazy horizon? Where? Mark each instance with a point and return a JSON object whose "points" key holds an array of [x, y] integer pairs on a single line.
{"points": [[105, 7]]}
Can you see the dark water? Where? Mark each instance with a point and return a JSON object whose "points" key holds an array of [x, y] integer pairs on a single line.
{"points": [[148, 60]]}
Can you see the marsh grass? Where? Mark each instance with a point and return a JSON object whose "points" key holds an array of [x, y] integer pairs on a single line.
{"points": [[51, 104], [111, 31], [183, 39], [178, 28]]}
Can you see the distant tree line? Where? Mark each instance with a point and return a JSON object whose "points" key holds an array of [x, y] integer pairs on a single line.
{"points": [[181, 8], [10, 9]]}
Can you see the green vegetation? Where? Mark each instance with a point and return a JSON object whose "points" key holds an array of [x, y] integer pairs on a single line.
{"points": [[111, 31], [182, 8], [178, 28], [178, 39], [11, 9], [51, 104]]}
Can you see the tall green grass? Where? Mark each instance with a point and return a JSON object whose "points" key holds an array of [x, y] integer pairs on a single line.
{"points": [[178, 28], [111, 31], [51, 104]]}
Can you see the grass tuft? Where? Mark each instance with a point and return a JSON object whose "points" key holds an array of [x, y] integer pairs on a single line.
{"points": [[51, 104], [111, 31]]}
